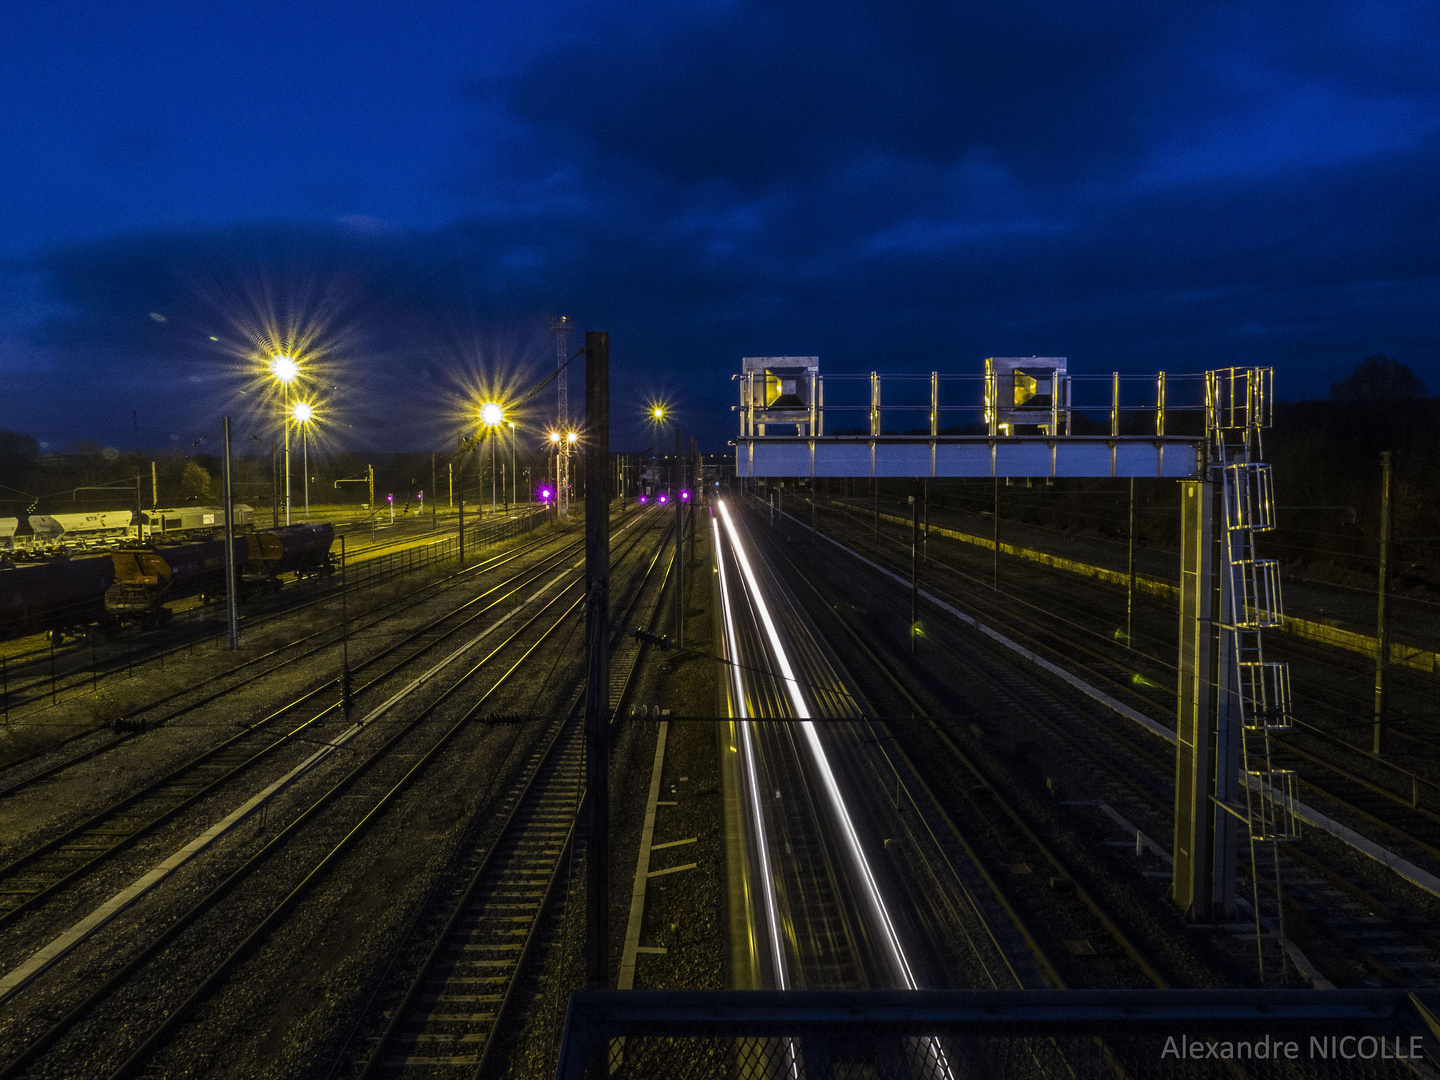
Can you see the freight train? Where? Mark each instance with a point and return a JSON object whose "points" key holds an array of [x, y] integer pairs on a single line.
{"points": [[69, 533], [103, 592]]}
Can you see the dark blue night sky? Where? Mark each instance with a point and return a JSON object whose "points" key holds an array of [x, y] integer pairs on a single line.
{"points": [[415, 188]]}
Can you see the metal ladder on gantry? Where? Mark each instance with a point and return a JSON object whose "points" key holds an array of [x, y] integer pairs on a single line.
{"points": [[1255, 692]]}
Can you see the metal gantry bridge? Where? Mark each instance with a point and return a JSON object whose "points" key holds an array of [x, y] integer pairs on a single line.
{"points": [[1030, 417]]}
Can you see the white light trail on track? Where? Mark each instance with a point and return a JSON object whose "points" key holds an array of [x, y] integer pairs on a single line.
{"points": [[822, 764], [772, 914]]}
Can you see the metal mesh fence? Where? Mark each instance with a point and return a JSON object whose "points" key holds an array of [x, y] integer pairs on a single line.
{"points": [[945, 1035]]}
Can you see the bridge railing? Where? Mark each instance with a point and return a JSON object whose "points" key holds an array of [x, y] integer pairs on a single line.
{"points": [[934, 404], [950, 1035]]}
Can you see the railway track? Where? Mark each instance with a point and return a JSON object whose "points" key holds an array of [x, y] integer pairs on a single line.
{"points": [[36, 875], [32, 678], [378, 781], [1356, 780], [448, 1016], [216, 686], [463, 989], [909, 837], [1343, 914], [1071, 931], [1397, 802]]}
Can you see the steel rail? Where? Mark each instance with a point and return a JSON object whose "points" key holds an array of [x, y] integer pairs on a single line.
{"points": [[252, 620], [1111, 928], [465, 907], [449, 581], [256, 936], [405, 603], [172, 802], [85, 1008]]}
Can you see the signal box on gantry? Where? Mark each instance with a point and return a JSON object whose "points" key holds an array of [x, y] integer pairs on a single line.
{"points": [[1027, 395], [784, 390]]}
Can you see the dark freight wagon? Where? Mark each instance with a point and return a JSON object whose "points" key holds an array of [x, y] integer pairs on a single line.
{"points": [[57, 596], [148, 578], [302, 550], [133, 584]]}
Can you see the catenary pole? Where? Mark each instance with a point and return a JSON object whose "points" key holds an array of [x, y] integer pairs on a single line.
{"points": [[679, 538], [914, 572], [286, 425], [232, 592], [597, 660], [460, 475], [995, 541], [1130, 564], [275, 487], [1382, 619]]}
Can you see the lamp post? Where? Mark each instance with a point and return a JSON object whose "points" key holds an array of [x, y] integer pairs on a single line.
{"points": [[572, 440], [284, 369], [555, 445], [514, 489], [302, 414], [492, 416], [657, 418]]}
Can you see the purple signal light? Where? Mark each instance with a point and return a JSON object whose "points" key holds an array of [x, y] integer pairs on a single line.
{"points": [[662, 500], [644, 498], [546, 494], [684, 496]]}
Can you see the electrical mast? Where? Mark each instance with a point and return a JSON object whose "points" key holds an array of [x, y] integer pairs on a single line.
{"points": [[561, 325]]}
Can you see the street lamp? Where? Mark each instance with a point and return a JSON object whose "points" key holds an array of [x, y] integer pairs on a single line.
{"points": [[492, 416], [657, 421], [285, 369], [514, 489], [302, 414]]}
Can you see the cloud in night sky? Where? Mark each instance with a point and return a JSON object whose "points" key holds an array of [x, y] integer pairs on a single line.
{"points": [[1136, 186]]}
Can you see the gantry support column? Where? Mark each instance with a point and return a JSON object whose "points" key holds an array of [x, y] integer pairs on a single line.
{"points": [[1229, 757], [1193, 882]]}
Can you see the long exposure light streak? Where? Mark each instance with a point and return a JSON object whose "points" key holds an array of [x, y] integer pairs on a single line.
{"points": [[932, 1051], [747, 757], [822, 764]]}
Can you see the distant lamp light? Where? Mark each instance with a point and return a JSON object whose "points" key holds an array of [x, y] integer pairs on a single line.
{"points": [[303, 413], [658, 412], [555, 436], [491, 414], [572, 438]]}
